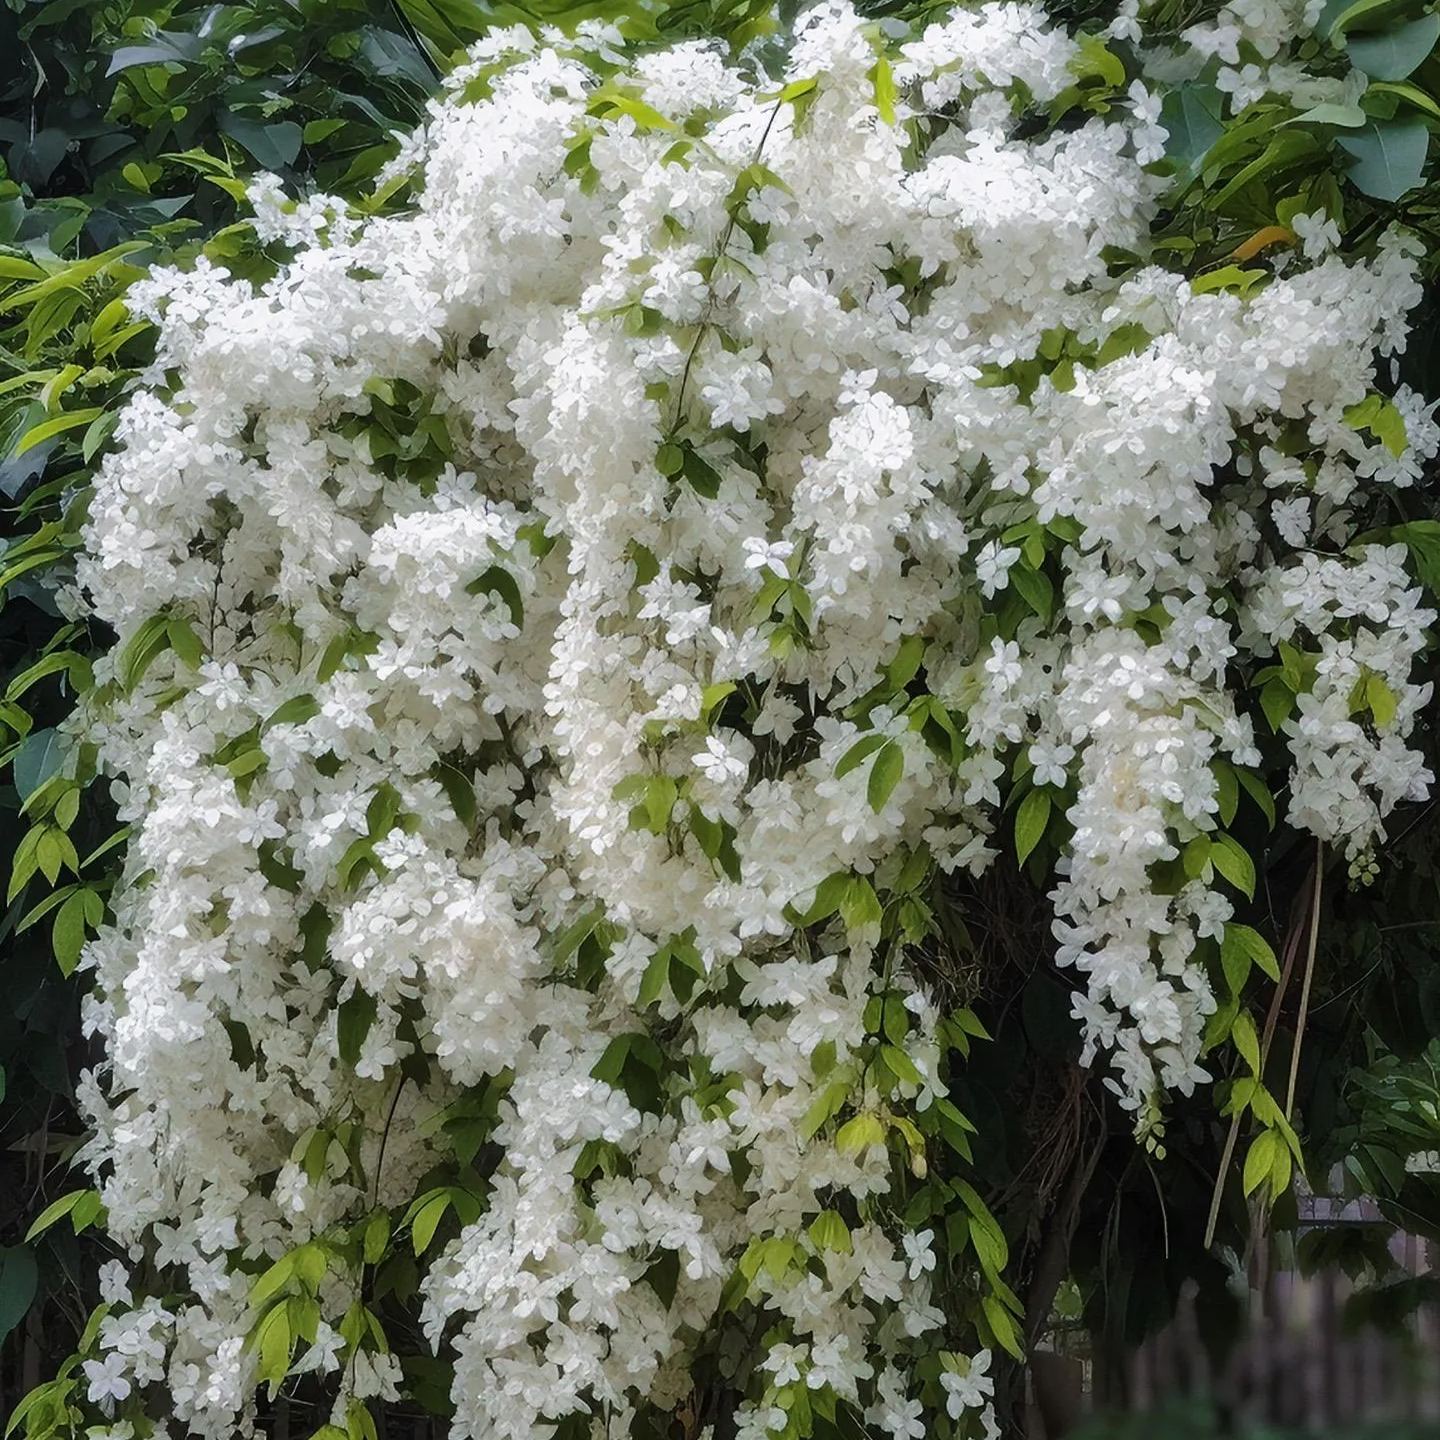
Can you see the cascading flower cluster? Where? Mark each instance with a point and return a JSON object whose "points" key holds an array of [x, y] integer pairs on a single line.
{"points": [[562, 630]]}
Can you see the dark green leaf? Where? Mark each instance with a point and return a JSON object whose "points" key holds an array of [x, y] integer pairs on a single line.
{"points": [[1389, 157]]}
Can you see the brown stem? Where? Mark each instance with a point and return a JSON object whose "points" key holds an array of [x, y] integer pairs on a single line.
{"points": [[1297, 930], [1309, 976]]}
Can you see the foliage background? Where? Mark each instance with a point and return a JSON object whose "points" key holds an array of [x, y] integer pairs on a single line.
{"points": [[126, 130]]}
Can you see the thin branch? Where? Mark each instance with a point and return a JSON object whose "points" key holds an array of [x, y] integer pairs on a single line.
{"points": [[1309, 976], [1292, 953]]}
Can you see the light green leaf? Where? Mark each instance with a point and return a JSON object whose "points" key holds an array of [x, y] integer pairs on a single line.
{"points": [[855, 756], [1411, 94], [1381, 700], [48, 429], [1231, 859], [1243, 940], [1260, 1160], [1246, 1041], [885, 775], [422, 1231], [1031, 818], [1349, 117], [57, 1210], [883, 77], [68, 933], [1002, 1326], [829, 1231], [274, 1346]]}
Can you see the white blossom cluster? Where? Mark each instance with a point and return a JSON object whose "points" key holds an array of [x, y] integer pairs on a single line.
{"points": [[646, 531]]}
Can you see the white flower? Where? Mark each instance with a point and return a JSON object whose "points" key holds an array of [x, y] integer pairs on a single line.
{"points": [[108, 1379], [719, 762], [1050, 763], [918, 1252], [1292, 519], [967, 1387], [762, 554], [992, 565], [114, 1283], [1317, 233], [784, 1362]]}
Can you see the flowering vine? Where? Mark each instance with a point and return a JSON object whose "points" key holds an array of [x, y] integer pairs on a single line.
{"points": [[564, 629]]}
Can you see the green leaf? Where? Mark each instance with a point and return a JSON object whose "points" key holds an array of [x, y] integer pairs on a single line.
{"points": [[500, 582], [1227, 790], [1378, 415], [885, 775], [1242, 947], [860, 1133], [860, 906], [352, 1023], [1002, 1326], [1096, 58], [901, 1065], [828, 1231], [883, 79], [1231, 859], [57, 1210], [1191, 117], [1031, 818], [1246, 1041], [48, 429], [825, 1106], [1389, 157], [829, 895], [704, 478], [274, 1343], [1128, 339], [68, 932], [1259, 792], [1410, 94], [1260, 1160], [151, 637], [1228, 277], [1277, 700], [39, 757], [663, 1277], [184, 642], [1381, 700], [1338, 17], [1348, 117], [855, 756], [18, 1276], [575, 934], [295, 711], [1393, 53], [427, 1222], [652, 983], [1035, 588], [714, 694], [274, 145]]}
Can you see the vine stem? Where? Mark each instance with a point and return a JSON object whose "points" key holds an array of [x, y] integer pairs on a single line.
{"points": [[1309, 976], [710, 285], [1292, 953]]}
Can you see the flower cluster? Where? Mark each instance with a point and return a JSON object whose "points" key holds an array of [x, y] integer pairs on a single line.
{"points": [[564, 628]]}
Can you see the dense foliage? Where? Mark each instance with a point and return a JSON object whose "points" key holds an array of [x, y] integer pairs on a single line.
{"points": [[828, 582]]}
